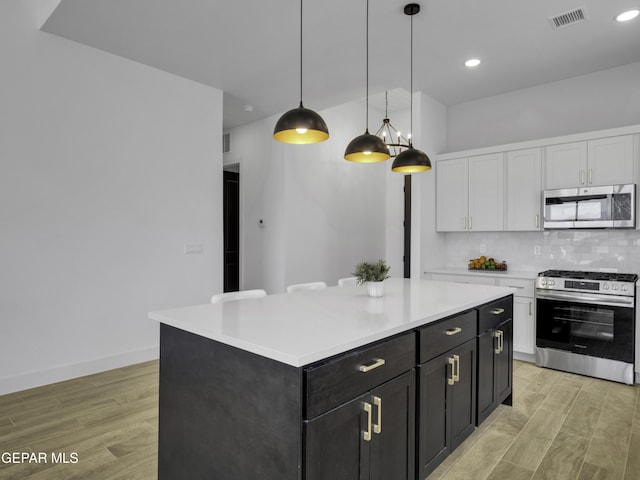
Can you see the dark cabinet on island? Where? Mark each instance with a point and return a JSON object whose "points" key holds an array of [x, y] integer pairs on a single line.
{"points": [[388, 409]]}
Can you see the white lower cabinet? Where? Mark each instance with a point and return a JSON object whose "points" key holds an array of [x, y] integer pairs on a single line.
{"points": [[524, 325], [524, 306]]}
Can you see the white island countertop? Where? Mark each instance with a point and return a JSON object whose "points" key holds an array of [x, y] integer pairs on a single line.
{"points": [[303, 327]]}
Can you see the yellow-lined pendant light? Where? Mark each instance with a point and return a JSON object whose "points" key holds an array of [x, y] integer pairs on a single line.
{"points": [[367, 148], [411, 160], [301, 125]]}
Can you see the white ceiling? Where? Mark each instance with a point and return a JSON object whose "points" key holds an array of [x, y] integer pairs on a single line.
{"points": [[250, 48]]}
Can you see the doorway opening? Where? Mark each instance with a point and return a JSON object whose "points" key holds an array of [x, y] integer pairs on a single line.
{"points": [[231, 228], [406, 257]]}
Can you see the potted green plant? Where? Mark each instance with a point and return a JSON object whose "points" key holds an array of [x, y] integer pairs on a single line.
{"points": [[373, 275]]}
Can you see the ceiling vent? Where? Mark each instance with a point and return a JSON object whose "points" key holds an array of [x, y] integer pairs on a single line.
{"points": [[569, 18]]}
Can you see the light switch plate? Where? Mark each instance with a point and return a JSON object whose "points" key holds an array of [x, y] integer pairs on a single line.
{"points": [[193, 248]]}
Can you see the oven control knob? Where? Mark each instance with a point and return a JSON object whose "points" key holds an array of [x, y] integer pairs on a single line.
{"points": [[624, 288], [606, 286], [552, 283], [543, 282], [615, 287]]}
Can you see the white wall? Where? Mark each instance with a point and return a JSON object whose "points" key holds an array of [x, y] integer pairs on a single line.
{"points": [[427, 247], [601, 100], [107, 168], [322, 214]]}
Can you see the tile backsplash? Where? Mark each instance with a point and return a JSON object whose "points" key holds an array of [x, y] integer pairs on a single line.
{"points": [[613, 250]]}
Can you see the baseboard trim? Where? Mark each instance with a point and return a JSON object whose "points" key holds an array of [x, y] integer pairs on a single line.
{"points": [[67, 372], [525, 357]]}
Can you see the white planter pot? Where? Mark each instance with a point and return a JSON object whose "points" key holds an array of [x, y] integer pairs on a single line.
{"points": [[376, 289]]}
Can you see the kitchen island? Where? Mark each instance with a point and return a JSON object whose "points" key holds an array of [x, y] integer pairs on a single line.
{"points": [[269, 388]]}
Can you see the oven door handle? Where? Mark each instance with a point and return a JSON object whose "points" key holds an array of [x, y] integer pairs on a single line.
{"points": [[582, 298]]}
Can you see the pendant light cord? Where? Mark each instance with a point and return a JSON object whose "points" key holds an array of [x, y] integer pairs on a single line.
{"points": [[411, 85], [367, 62], [300, 53]]}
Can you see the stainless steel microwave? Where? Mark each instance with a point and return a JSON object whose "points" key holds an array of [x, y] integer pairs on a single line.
{"points": [[611, 206]]}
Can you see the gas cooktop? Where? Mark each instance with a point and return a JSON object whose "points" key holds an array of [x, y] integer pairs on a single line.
{"points": [[578, 275], [610, 283]]}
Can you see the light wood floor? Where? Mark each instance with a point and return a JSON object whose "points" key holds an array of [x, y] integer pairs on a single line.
{"points": [[561, 427], [108, 419]]}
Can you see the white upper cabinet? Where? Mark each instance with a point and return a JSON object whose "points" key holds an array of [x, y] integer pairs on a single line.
{"points": [[470, 194], [566, 165], [486, 192], [523, 190], [610, 160], [452, 194], [603, 161]]}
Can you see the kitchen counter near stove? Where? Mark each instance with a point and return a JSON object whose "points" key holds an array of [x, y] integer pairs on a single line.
{"points": [[519, 274]]}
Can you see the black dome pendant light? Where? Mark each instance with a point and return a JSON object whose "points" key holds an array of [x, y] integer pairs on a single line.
{"points": [[367, 148], [301, 125], [411, 160]]}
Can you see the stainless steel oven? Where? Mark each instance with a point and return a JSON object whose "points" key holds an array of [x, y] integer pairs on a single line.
{"points": [[585, 323]]}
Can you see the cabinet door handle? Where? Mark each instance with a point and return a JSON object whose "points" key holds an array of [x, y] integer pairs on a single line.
{"points": [[366, 435], [376, 363], [452, 362], [496, 348], [581, 177], [537, 220], [530, 305], [465, 223], [453, 331], [470, 223], [456, 376], [496, 311], [377, 401], [590, 176], [501, 341]]}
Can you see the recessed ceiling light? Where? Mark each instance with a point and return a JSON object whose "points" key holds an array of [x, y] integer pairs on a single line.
{"points": [[472, 62], [248, 108], [628, 15]]}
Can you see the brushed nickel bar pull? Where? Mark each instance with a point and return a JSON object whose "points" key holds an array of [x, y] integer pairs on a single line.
{"points": [[537, 220], [497, 311], [452, 362], [581, 177], [530, 310], [367, 434], [456, 376], [366, 368], [377, 401], [465, 223], [453, 331], [500, 340], [470, 223], [590, 176]]}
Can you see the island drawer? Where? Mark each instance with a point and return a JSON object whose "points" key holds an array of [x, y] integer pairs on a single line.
{"points": [[348, 376], [492, 314], [440, 337]]}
